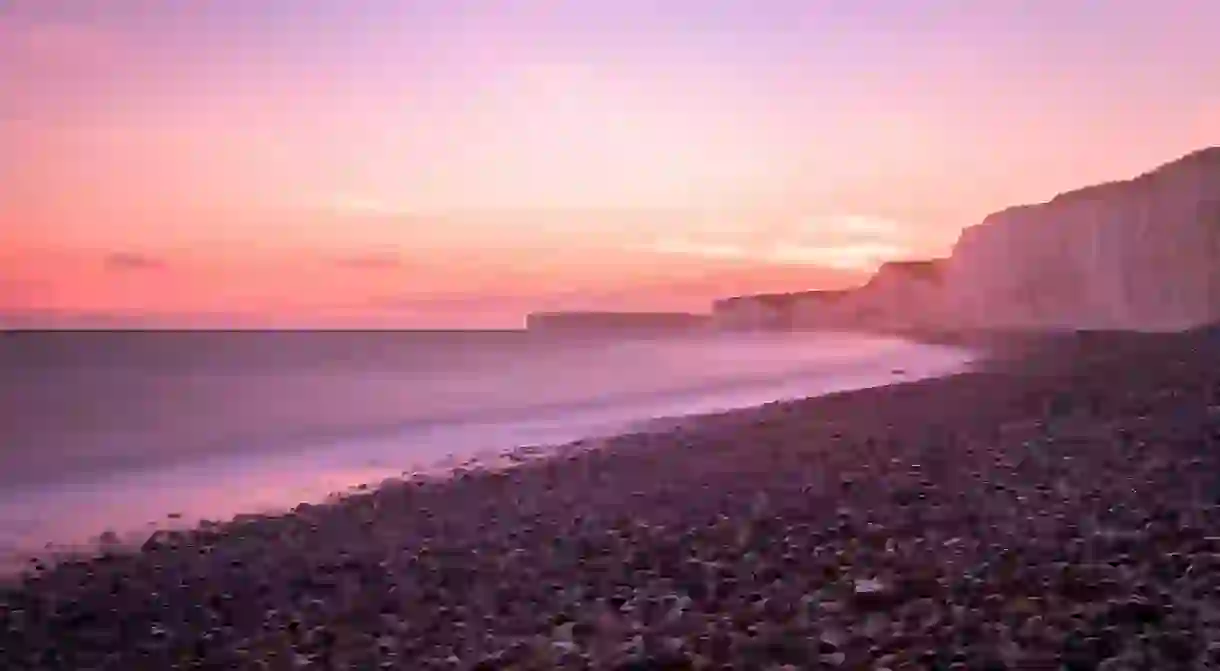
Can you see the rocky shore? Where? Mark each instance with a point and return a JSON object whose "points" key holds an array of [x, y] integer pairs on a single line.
{"points": [[1059, 509]]}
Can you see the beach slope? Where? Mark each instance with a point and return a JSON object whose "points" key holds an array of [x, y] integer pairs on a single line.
{"points": [[1057, 507]]}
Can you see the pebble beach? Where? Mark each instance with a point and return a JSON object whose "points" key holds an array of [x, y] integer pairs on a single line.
{"points": [[1056, 508]]}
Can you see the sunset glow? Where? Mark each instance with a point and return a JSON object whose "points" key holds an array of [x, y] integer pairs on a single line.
{"points": [[459, 163]]}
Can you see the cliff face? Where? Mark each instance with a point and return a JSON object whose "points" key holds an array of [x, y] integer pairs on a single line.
{"points": [[592, 322], [760, 311], [1140, 254], [901, 295]]}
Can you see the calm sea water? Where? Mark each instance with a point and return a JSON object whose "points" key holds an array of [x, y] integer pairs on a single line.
{"points": [[115, 431]]}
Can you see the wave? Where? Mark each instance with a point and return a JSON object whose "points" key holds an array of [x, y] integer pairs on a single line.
{"points": [[297, 435]]}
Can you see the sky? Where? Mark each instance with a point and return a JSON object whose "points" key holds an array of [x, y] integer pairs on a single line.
{"points": [[457, 163]]}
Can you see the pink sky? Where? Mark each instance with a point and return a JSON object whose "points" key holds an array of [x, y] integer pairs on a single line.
{"points": [[384, 163]]}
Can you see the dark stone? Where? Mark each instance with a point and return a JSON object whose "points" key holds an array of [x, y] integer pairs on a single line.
{"points": [[1137, 612], [657, 662]]}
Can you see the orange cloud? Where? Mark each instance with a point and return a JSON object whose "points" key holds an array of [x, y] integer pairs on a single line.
{"points": [[132, 261], [844, 242], [859, 256], [372, 261]]}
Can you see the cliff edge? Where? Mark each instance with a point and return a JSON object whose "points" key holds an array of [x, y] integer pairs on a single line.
{"points": [[596, 322], [1139, 254]]}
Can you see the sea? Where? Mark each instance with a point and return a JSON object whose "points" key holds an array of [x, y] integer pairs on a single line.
{"points": [[108, 436]]}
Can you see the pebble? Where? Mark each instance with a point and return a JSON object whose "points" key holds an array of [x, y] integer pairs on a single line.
{"points": [[910, 526]]}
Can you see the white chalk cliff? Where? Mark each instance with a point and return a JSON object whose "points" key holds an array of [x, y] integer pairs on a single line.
{"points": [[1140, 254], [901, 295]]}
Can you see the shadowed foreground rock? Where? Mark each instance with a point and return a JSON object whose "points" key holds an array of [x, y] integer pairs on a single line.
{"points": [[1058, 515]]}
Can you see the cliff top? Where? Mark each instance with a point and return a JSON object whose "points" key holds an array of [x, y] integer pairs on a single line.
{"points": [[607, 319], [1208, 157], [924, 268], [784, 299], [629, 314]]}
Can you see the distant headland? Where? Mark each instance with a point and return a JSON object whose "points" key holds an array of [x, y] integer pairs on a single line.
{"points": [[630, 322], [1141, 254]]}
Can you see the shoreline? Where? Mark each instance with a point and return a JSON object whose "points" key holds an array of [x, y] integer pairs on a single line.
{"points": [[123, 533], [135, 445], [849, 513]]}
